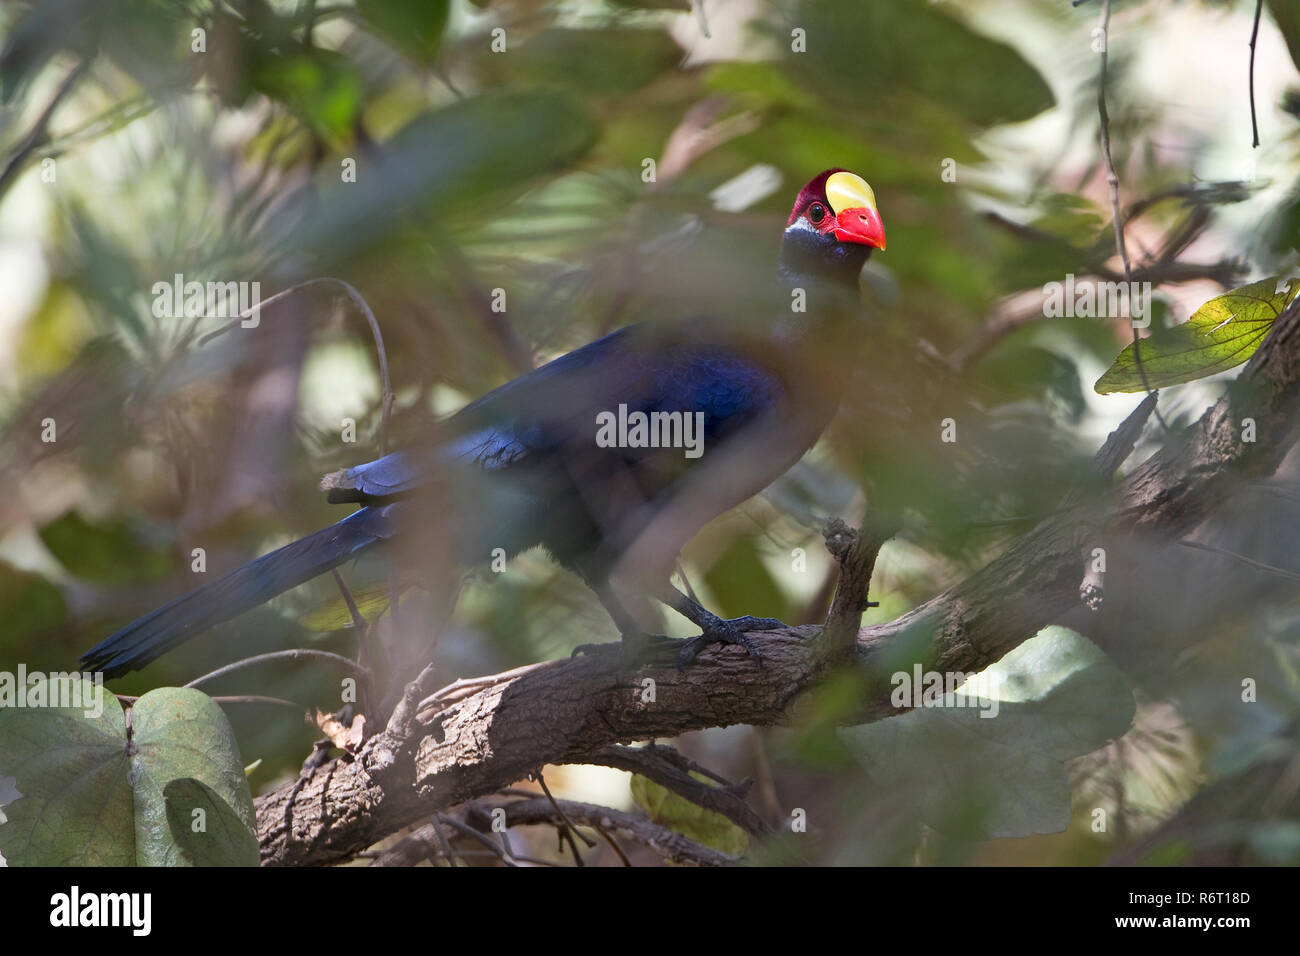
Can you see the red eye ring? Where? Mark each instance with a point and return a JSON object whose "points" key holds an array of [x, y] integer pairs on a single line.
{"points": [[816, 213]]}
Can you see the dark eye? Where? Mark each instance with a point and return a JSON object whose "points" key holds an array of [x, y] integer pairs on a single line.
{"points": [[816, 212]]}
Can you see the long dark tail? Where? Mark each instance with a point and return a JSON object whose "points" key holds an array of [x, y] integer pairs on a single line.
{"points": [[242, 589]]}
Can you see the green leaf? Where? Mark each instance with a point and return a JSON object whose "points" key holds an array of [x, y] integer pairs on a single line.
{"points": [[1057, 697], [105, 553], [320, 86], [76, 805], [1030, 370], [181, 733], [1222, 334], [205, 828], [90, 797], [469, 157], [32, 605], [1287, 15], [857, 50], [413, 27], [593, 62], [334, 614], [689, 819], [741, 584]]}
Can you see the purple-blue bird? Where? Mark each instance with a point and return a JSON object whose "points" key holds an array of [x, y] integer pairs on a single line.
{"points": [[554, 458]]}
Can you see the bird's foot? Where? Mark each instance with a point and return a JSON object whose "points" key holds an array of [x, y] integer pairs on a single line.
{"points": [[719, 631]]}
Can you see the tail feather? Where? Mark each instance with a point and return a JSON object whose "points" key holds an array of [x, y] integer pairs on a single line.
{"points": [[242, 589]]}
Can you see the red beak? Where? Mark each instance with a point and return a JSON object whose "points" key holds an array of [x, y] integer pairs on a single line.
{"points": [[860, 224]]}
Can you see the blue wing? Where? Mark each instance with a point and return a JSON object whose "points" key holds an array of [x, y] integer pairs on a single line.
{"points": [[552, 410]]}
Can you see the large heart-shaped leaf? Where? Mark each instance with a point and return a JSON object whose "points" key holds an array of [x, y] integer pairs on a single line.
{"points": [[92, 794]]}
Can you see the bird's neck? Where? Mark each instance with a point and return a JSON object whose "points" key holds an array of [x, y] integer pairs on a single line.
{"points": [[819, 282], [809, 257]]}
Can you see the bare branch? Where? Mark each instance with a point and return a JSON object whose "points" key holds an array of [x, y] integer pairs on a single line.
{"points": [[294, 654]]}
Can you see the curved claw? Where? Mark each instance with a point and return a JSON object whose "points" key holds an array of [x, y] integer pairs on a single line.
{"points": [[729, 632]]}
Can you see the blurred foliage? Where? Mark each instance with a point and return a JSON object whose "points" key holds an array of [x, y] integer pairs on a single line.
{"points": [[177, 797], [413, 150], [998, 752], [107, 553]]}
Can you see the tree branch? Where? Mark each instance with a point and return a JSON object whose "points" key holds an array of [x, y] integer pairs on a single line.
{"points": [[570, 711]]}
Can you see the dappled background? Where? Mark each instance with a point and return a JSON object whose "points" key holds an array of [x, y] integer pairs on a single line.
{"points": [[589, 163]]}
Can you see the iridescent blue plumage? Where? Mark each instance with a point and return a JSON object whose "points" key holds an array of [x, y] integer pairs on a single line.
{"points": [[524, 466]]}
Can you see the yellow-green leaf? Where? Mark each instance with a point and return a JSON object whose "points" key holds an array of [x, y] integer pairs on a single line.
{"points": [[335, 614], [689, 819], [1220, 335]]}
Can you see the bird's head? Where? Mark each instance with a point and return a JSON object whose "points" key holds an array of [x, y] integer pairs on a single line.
{"points": [[832, 229]]}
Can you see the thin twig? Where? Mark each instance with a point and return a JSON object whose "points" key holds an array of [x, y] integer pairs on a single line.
{"points": [[686, 582], [258, 699], [1112, 179], [1271, 489], [1241, 559], [294, 654], [444, 844], [565, 837], [464, 686], [469, 831], [660, 839], [704, 23], [1254, 34], [567, 822], [359, 301], [363, 635], [358, 621], [613, 844]]}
